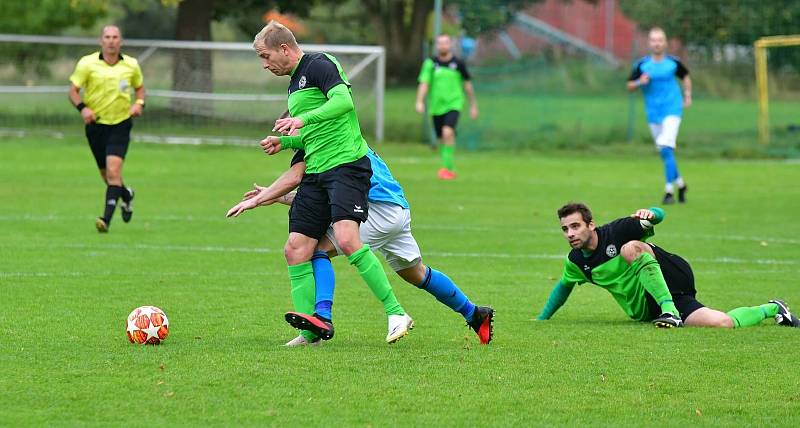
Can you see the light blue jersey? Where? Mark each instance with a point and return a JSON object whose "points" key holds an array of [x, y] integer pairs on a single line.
{"points": [[383, 187], [662, 96]]}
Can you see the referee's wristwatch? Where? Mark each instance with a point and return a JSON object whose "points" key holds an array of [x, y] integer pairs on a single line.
{"points": [[140, 101]]}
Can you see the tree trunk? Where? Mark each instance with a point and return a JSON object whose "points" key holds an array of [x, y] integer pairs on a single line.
{"points": [[401, 26], [191, 70]]}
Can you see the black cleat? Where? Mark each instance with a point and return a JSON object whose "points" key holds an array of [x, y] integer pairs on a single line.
{"points": [[127, 207], [682, 194], [482, 323], [321, 327], [668, 320], [101, 225], [669, 199], [784, 317]]}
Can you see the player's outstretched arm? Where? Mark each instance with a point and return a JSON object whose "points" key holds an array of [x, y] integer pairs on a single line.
{"points": [[557, 299], [275, 192], [339, 102], [653, 215]]}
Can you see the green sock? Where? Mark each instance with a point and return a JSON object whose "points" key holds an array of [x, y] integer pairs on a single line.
{"points": [[372, 272], [753, 315], [649, 272], [301, 277], [447, 156]]}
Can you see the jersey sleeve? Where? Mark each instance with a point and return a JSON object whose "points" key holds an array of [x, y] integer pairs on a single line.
{"points": [[572, 274], [636, 72], [426, 72], [299, 156], [630, 229], [325, 75], [137, 80], [680, 70], [462, 68], [80, 75]]}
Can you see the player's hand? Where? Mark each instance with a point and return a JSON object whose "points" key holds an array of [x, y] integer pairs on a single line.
{"points": [[242, 207], [644, 214], [88, 115], [271, 145], [687, 100], [420, 107], [644, 79], [136, 110], [252, 193], [287, 125], [473, 112]]}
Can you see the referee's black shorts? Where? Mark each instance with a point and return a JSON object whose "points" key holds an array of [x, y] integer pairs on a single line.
{"points": [[109, 140], [680, 281], [448, 119], [337, 194]]}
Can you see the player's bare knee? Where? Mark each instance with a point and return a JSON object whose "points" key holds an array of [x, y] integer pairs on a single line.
{"points": [[633, 249], [295, 252], [724, 321], [348, 242], [448, 134]]}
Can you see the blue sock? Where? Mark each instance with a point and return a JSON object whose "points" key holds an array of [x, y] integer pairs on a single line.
{"points": [[325, 283], [447, 292], [670, 164]]}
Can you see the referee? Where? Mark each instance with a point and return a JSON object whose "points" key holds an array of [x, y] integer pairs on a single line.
{"points": [[106, 78]]}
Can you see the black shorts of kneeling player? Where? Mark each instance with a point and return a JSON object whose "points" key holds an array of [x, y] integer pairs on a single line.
{"points": [[109, 140], [680, 281], [448, 119], [337, 194]]}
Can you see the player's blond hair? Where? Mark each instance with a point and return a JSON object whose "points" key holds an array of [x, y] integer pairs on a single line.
{"points": [[657, 30], [273, 35]]}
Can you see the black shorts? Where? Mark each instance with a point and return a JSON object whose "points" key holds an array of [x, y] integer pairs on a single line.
{"points": [[337, 194], [109, 140], [448, 119], [680, 281]]}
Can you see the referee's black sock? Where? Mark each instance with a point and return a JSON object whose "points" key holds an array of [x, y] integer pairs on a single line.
{"points": [[126, 195], [112, 194]]}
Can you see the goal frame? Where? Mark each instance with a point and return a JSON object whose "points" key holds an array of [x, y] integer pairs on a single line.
{"points": [[375, 54], [760, 53]]}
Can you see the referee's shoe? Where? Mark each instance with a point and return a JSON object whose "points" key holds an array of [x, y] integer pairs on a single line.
{"points": [[127, 207]]}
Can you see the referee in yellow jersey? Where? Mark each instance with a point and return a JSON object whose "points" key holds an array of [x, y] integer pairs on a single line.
{"points": [[106, 78]]}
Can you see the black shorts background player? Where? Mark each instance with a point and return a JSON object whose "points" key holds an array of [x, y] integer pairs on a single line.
{"points": [[444, 79], [106, 78]]}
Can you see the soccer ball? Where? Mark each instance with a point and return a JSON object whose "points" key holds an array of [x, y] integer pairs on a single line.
{"points": [[147, 325]]}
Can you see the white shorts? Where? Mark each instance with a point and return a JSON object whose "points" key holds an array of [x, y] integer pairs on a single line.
{"points": [[388, 231], [665, 133]]}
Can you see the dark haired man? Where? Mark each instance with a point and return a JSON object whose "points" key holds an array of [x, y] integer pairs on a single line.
{"points": [[649, 283]]}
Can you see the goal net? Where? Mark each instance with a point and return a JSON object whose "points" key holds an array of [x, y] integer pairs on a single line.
{"points": [[196, 91]]}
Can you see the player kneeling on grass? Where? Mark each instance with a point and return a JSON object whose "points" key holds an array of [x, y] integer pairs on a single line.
{"points": [[649, 283], [388, 231]]}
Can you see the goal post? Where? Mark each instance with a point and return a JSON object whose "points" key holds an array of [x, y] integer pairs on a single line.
{"points": [[234, 92], [760, 53]]}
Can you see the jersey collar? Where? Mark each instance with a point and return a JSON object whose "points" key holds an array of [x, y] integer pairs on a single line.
{"points": [[297, 65], [100, 56]]}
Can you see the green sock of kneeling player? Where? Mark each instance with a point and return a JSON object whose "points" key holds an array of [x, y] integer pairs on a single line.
{"points": [[301, 277], [753, 315], [370, 269], [649, 273]]}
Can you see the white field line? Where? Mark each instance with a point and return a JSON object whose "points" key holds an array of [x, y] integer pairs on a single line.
{"points": [[479, 255], [473, 228]]}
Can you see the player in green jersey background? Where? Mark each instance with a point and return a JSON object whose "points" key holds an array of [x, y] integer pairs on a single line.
{"points": [[649, 283], [444, 79]]}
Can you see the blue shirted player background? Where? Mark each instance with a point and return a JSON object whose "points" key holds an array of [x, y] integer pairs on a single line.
{"points": [[655, 74]]}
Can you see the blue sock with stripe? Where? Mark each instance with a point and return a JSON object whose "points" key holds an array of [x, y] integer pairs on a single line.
{"points": [[447, 292], [325, 283]]}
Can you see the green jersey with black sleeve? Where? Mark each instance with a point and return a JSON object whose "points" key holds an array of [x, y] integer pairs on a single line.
{"points": [[606, 268], [446, 84], [320, 95]]}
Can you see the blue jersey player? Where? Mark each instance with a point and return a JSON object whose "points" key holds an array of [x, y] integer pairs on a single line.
{"points": [[656, 75], [388, 231]]}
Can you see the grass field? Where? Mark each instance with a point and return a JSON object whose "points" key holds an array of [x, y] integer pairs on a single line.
{"points": [[64, 358]]}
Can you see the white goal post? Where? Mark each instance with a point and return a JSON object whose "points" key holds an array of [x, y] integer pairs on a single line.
{"points": [[365, 64]]}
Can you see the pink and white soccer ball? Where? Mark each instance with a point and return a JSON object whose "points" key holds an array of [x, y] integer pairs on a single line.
{"points": [[147, 325]]}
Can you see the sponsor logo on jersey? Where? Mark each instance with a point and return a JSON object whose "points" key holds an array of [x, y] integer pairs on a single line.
{"points": [[452, 65], [611, 251], [302, 83]]}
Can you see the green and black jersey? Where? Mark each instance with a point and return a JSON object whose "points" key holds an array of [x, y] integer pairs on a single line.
{"points": [[606, 268], [330, 136], [446, 84]]}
